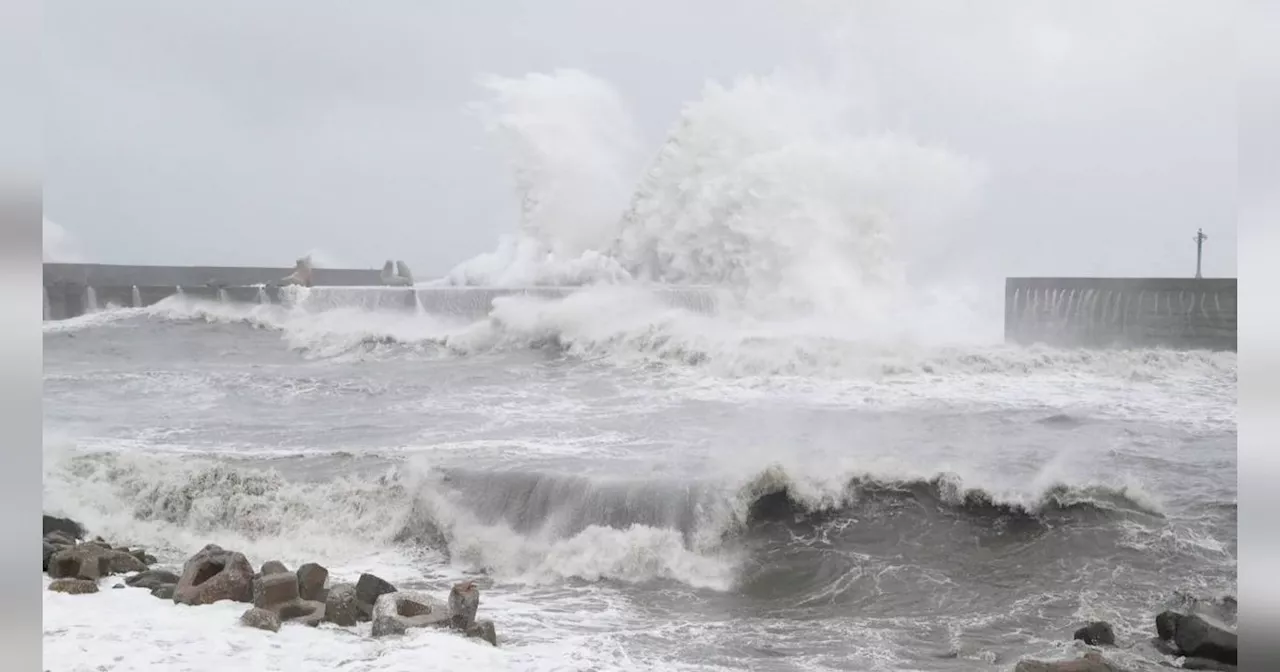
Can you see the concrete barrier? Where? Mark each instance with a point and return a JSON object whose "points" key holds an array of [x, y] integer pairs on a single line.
{"points": [[1178, 313], [112, 275], [74, 289], [71, 289]]}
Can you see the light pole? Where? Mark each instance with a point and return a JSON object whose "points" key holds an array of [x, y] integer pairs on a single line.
{"points": [[1200, 238]]}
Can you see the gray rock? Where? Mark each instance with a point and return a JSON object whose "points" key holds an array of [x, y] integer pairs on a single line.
{"points": [[306, 612], [394, 613], [340, 605], [483, 630], [1199, 636], [59, 538], [368, 589], [1090, 662], [464, 600], [311, 580], [272, 590], [164, 591], [1097, 633], [88, 558], [214, 574], [151, 578], [67, 526], [79, 562], [49, 550], [1167, 624], [262, 619], [142, 556], [273, 567], [74, 586]]}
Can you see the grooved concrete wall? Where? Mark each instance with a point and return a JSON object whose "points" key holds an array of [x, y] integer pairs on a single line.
{"points": [[109, 275], [73, 289], [66, 286], [1178, 313]]}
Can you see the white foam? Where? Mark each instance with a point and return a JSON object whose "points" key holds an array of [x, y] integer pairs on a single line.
{"points": [[128, 629]]}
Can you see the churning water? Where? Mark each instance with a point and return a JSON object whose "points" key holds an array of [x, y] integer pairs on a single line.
{"points": [[838, 468]]}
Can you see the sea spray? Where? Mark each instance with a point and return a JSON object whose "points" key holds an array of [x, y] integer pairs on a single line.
{"points": [[771, 188], [571, 147]]}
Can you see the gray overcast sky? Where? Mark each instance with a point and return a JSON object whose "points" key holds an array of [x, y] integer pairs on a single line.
{"points": [[252, 131]]}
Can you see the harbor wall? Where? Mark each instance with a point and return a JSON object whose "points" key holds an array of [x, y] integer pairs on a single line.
{"points": [[67, 286], [1176, 313], [71, 290]]}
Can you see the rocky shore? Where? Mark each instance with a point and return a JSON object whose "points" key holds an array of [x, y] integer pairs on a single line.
{"points": [[1196, 638], [1200, 635], [276, 596]]}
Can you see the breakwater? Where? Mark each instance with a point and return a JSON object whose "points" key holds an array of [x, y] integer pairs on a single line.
{"points": [[71, 290], [1177, 313], [74, 289]]}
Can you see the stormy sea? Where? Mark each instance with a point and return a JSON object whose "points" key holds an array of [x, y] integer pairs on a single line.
{"points": [[757, 434]]}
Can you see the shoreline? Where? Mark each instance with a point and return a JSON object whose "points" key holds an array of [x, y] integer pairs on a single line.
{"points": [[216, 584]]}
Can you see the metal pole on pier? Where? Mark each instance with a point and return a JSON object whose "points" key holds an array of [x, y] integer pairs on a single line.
{"points": [[1200, 238]]}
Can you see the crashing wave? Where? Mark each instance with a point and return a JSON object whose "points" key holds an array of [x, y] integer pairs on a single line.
{"points": [[520, 525]]}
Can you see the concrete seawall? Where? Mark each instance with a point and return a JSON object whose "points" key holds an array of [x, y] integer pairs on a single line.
{"points": [[1177, 313], [70, 289], [74, 289]]}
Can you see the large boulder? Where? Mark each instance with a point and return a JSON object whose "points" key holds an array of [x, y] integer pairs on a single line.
{"points": [[483, 630], [65, 525], [1167, 624], [394, 613], [273, 567], [1090, 662], [143, 556], [368, 589], [151, 578], [49, 550], [464, 600], [1097, 633], [306, 612], [272, 590], [79, 562], [73, 586], [340, 605], [262, 619], [214, 574], [91, 561], [1199, 636], [311, 580]]}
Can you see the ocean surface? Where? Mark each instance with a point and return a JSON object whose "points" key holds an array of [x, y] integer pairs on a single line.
{"points": [[839, 466], [692, 495]]}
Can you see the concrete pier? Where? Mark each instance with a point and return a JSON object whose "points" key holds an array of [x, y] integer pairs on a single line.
{"points": [[66, 285], [68, 288], [1177, 313]]}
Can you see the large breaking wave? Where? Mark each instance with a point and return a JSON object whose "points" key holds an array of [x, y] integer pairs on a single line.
{"points": [[526, 525]]}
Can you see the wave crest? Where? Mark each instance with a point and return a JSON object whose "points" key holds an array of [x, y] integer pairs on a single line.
{"points": [[524, 526], [772, 496]]}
